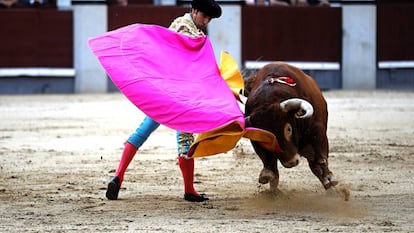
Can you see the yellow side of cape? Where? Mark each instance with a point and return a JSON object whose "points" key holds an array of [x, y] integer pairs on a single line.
{"points": [[230, 72]]}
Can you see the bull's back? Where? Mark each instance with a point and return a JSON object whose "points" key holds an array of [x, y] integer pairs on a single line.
{"points": [[306, 87]]}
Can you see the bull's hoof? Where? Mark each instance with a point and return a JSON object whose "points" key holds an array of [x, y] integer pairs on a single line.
{"points": [[266, 176], [273, 185], [329, 182]]}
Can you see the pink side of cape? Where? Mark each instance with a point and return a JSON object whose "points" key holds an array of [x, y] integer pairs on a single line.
{"points": [[172, 78]]}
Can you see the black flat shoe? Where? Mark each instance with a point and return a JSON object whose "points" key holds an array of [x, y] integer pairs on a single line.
{"points": [[194, 198], [113, 188]]}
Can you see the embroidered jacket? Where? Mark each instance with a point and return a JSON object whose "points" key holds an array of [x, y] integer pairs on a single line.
{"points": [[185, 25]]}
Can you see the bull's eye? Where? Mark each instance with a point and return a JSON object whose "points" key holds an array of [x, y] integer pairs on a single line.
{"points": [[288, 131]]}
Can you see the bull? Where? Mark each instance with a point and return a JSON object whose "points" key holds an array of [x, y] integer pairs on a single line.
{"points": [[284, 100]]}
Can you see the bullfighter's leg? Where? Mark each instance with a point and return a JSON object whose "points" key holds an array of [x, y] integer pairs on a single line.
{"points": [[184, 141], [136, 140]]}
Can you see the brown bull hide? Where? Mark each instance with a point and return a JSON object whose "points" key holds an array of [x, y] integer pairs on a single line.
{"points": [[273, 84]]}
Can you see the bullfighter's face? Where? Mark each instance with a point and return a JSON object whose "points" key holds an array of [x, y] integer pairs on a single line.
{"points": [[200, 19]]}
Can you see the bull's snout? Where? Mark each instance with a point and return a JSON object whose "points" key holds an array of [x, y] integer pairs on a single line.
{"points": [[293, 162]]}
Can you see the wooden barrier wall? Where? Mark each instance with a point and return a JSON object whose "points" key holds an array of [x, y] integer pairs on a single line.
{"points": [[36, 38], [44, 37], [395, 34], [119, 16], [291, 33]]}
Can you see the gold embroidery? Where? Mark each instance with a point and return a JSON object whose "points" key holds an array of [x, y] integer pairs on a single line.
{"points": [[186, 26]]}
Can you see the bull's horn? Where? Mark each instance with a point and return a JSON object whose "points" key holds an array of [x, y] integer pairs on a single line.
{"points": [[305, 109]]}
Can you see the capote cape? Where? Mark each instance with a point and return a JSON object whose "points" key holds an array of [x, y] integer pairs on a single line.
{"points": [[175, 80]]}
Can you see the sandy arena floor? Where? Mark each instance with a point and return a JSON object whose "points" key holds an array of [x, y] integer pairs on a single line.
{"points": [[57, 153]]}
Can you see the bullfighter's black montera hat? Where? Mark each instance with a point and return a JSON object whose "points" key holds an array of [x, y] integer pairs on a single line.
{"points": [[208, 7]]}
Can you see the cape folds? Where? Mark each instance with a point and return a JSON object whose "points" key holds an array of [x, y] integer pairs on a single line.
{"points": [[172, 78]]}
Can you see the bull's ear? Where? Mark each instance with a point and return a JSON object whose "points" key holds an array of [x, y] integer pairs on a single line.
{"points": [[248, 85]]}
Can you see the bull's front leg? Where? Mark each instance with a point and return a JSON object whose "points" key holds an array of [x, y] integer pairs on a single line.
{"points": [[319, 167], [321, 170], [269, 173], [317, 155]]}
